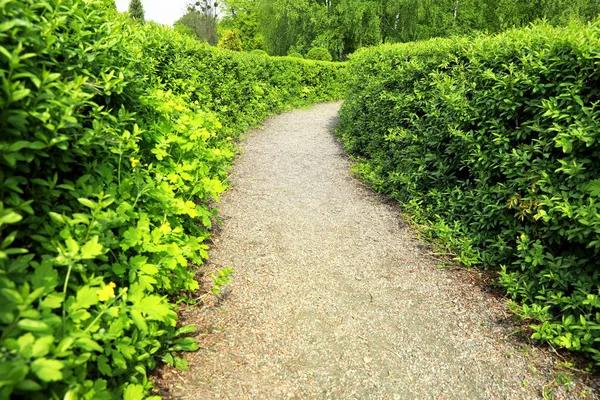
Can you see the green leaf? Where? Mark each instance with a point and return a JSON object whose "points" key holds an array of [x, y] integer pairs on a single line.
{"points": [[133, 392], [594, 188], [155, 307], [32, 325], [72, 246], [9, 217], [8, 240], [42, 346], [87, 202], [86, 297], [53, 300], [12, 295], [28, 385], [91, 249], [47, 370], [88, 344], [184, 344], [186, 329], [104, 365], [139, 321], [64, 345]]}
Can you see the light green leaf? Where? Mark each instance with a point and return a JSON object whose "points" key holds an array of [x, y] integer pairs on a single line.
{"points": [[87, 202], [9, 217], [72, 246], [86, 297], [133, 392], [32, 325], [88, 344], [53, 300], [48, 370], [139, 321], [91, 249], [42, 346]]}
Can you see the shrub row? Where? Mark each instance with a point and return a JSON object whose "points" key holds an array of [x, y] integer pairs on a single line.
{"points": [[116, 137], [493, 144]]}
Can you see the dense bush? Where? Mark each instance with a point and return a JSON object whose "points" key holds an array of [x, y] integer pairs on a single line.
{"points": [[230, 40], [259, 52], [116, 137], [295, 55], [494, 144], [318, 53]]}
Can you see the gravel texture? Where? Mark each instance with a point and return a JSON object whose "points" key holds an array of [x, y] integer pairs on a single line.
{"points": [[333, 296]]}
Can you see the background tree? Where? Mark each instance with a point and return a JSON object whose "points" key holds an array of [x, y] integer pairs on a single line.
{"points": [[241, 17], [136, 10], [343, 26], [201, 18]]}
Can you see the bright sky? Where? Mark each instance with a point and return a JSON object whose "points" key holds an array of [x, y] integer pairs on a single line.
{"points": [[161, 11]]}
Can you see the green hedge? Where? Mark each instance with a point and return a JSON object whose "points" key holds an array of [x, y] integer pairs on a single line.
{"points": [[116, 138], [319, 53], [493, 143]]}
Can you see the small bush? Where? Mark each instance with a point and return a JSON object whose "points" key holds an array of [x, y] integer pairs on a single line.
{"points": [[493, 143], [319, 53], [259, 52], [295, 55], [230, 40]]}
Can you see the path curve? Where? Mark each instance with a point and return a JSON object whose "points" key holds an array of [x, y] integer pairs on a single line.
{"points": [[333, 297]]}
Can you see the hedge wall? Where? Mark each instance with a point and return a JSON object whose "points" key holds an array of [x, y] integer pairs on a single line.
{"points": [[116, 137], [493, 143]]}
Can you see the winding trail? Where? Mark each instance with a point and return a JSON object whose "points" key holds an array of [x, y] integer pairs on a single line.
{"points": [[333, 297]]}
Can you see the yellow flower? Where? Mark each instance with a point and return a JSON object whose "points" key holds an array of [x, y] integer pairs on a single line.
{"points": [[523, 236], [107, 292], [134, 161]]}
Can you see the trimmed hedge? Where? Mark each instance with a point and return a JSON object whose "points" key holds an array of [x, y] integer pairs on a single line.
{"points": [[319, 53], [116, 138], [494, 144]]}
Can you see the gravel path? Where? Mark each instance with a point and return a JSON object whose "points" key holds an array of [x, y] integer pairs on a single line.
{"points": [[334, 298]]}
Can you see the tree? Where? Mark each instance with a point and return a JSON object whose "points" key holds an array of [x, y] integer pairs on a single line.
{"points": [[241, 16], [136, 10], [201, 18], [230, 41], [343, 26]]}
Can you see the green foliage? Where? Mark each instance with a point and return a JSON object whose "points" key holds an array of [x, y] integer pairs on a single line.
{"points": [[295, 55], [230, 41], [202, 21], [493, 143], [343, 26], [258, 52], [117, 138], [221, 279], [136, 10], [318, 53], [241, 16]]}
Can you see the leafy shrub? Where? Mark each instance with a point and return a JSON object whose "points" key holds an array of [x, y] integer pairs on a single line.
{"points": [[230, 41], [295, 55], [493, 142], [116, 138], [318, 53], [259, 52]]}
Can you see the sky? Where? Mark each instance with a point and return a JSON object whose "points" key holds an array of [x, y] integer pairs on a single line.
{"points": [[161, 11]]}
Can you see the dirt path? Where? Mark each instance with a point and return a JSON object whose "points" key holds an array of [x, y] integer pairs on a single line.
{"points": [[334, 298]]}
